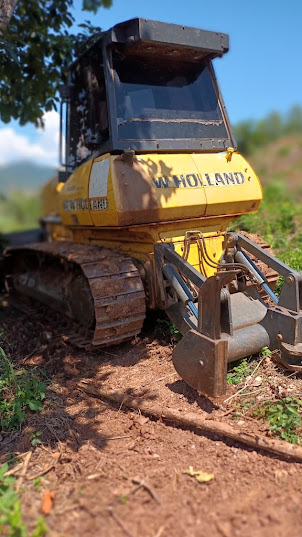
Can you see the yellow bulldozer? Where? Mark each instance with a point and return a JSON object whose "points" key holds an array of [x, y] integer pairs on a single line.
{"points": [[138, 217]]}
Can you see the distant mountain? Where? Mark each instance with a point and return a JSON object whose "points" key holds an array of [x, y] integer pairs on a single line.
{"points": [[24, 176]]}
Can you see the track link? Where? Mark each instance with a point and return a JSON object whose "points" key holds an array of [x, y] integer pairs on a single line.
{"points": [[99, 289]]}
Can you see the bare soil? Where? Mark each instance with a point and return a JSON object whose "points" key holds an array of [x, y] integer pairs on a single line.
{"points": [[114, 472]]}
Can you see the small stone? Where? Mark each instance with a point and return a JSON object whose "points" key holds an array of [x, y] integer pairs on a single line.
{"points": [[257, 381], [280, 474]]}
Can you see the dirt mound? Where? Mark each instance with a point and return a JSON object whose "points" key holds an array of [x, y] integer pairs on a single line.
{"points": [[113, 471]]}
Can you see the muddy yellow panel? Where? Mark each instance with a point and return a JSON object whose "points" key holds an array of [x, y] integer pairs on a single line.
{"points": [[74, 198], [163, 187], [101, 196], [156, 188], [231, 185]]}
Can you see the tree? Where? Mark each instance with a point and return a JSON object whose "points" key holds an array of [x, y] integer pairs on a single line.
{"points": [[294, 120], [253, 134], [7, 8], [36, 46]]}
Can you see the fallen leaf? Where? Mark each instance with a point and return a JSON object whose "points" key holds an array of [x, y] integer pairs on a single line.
{"points": [[47, 503], [93, 476], [201, 477]]}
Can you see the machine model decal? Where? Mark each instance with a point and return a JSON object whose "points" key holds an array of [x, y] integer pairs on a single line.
{"points": [[86, 204], [194, 180], [99, 179]]}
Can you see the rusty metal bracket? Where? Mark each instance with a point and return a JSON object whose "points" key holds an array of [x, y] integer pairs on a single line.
{"points": [[168, 252], [209, 305]]}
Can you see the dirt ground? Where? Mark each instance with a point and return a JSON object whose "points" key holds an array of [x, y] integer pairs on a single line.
{"points": [[114, 472]]}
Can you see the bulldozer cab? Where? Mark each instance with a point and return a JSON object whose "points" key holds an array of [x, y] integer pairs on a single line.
{"points": [[146, 86]]}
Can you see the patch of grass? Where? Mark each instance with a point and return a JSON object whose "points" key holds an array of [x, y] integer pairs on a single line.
{"points": [[21, 391], [20, 210], [283, 151], [11, 523], [284, 418]]}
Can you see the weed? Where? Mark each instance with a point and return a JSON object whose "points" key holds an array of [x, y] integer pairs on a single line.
{"points": [[10, 507], [35, 440], [41, 528], [37, 484], [284, 418], [239, 372], [166, 328], [20, 391], [123, 498], [11, 524], [265, 351]]}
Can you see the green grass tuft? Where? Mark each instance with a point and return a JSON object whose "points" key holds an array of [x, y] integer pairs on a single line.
{"points": [[21, 391], [284, 418], [11, 523]]}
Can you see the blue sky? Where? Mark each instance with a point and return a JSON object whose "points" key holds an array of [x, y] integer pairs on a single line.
{"points": [[262, 71]]}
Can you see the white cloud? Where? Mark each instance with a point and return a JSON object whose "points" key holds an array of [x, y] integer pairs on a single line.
{"points": [[44, 150]]}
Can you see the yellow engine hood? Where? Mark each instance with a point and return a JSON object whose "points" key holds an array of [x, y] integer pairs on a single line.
{"points": [[159, 188]]}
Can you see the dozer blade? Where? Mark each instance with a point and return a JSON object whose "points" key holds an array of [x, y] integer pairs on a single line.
{"points": [[201, 359], [230, 326], [202, 363]]}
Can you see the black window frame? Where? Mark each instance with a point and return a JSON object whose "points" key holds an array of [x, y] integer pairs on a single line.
{"points": [[217, 45]]}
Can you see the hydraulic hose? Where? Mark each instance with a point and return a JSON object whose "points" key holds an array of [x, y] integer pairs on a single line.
{"points": [[180, 287]]}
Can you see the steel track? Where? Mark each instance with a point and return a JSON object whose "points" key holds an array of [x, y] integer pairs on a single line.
{"points": [[99, 289]]}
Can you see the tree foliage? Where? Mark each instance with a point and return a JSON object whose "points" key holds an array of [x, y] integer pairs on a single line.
{"points": [[252, 134], [35, 50]]}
